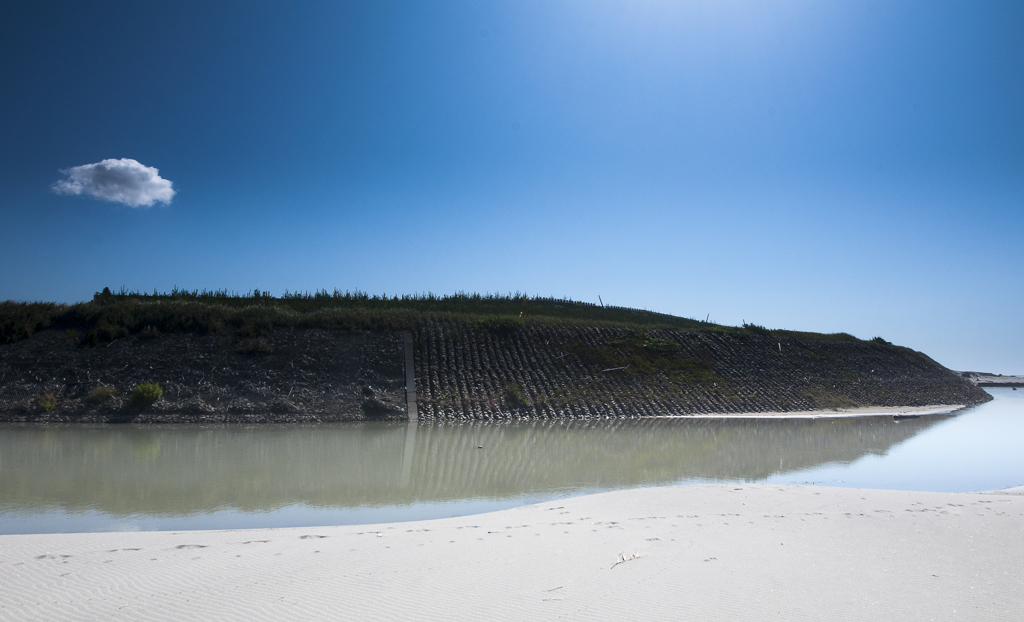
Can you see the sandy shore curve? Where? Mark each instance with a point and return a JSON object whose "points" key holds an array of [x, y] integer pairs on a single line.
{"points": [[859, 411], [739, 552]]}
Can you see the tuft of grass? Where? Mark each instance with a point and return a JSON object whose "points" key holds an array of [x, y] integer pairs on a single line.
{"points": [[101, 394], [46, 401], [646, 355], [757, 329], [146, 393], [253, 346], [644, 340], [515, 397], [502, 326], [377, 410]]}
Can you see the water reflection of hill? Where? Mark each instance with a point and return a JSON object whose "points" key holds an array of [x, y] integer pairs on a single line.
{"points": [[177, 470]]}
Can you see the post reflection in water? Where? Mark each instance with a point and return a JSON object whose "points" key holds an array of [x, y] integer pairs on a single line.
{"points": [[408, 451], [176, 470]]}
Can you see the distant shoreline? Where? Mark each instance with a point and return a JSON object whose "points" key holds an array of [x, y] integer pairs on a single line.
{"points": [[993, 380]]}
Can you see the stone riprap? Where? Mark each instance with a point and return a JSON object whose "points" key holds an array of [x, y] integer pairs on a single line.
{"points": [[465, 370], [290, 375]]}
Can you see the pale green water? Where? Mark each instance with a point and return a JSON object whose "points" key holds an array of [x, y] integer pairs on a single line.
{"points": [[85, 478]]}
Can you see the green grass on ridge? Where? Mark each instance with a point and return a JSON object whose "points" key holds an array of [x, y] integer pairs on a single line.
{"points": [[110, 316]]}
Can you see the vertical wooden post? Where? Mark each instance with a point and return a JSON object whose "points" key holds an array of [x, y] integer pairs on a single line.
{"points": [[410, 378]]}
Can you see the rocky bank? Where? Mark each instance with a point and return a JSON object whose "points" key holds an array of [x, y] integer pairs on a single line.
{"points": [[464, 370]]}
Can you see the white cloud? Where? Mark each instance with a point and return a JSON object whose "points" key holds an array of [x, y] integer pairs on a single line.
{"points": [[122, 181]]}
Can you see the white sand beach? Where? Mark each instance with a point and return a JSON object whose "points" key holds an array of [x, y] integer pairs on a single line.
{"points": [[726, 552]]}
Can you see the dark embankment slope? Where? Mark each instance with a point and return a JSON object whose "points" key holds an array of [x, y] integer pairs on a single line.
{"points": [[326, 357], [468, 371]]}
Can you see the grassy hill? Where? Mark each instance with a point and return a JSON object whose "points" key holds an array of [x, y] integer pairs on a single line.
{"points": [[109, 316]]}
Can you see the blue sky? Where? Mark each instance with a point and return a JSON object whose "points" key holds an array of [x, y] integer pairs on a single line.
{"points": [[827, 166]]}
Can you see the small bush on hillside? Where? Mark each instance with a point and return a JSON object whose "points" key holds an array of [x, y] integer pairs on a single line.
{"points": [[20, 320], [756, 329], [647, 341], [46, 401], [105, 333], [146, 393], [101, 394], [253, 323], [514, 397], [377, 410]]}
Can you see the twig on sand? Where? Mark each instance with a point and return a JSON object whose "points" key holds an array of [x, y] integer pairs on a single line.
{"points": [[623, 559]]}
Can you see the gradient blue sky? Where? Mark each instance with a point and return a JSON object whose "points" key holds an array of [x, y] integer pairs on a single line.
{"points": [[828, 166]]}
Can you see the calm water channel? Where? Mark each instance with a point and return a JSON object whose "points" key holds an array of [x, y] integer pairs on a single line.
{"points": [[122, 477]]}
